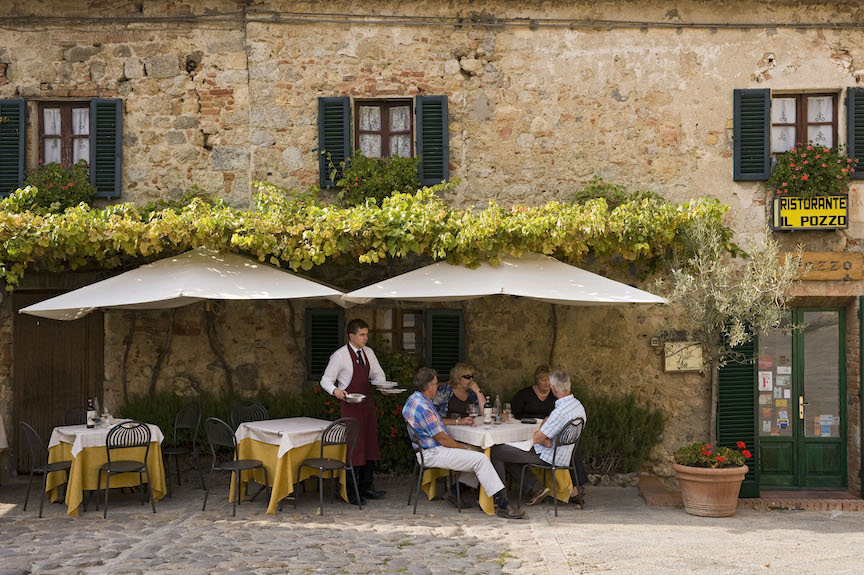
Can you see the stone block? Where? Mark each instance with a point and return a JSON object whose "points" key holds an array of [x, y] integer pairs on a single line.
{"points": [[185, 122], [81, 53], [133, 68], [162, 66], [262, 138], [227, 158], [292, 159], [273, 118]]}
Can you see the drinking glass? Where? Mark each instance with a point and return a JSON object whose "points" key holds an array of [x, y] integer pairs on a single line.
{"points": [[472, 413], [507, 414]]}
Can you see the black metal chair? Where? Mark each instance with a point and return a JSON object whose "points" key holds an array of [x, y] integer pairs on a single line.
{"points": [[247, 411], [341, 432], [569, 435], [75, 416], [187, 419], [127, 435], [220, 434], [39, 463], [420, 467]]}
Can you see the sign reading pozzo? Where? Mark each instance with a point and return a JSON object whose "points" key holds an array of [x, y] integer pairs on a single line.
{"points": [[820, 213]]}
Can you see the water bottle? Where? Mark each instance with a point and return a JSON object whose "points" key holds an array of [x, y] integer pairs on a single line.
{"points": [[496, 411]]}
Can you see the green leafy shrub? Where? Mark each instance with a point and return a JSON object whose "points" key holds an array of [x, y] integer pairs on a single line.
{"points": [[57, 188], [614, 194], [701, 454], [808, 171], [364, 178]]}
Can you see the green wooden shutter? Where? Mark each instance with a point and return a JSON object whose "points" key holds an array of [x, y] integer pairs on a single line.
{"points": [[325, 333], [855, 129], [445, 340], [334, 137], [736, 412], [12, 144], [433, 139], [752, 147], [106, 146]]}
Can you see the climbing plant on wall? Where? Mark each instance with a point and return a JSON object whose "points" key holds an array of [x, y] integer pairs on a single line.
{"points": [[297, 231]]}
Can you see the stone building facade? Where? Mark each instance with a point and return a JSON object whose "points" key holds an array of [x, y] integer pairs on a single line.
{"points": [[542, 97]]}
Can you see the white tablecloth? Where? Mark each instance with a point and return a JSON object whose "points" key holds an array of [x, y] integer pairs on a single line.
{"points": [[3, 443], [287, 433], [495, 435], [81, 437]]}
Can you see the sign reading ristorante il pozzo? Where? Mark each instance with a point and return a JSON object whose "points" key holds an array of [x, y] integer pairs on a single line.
{"points": [[818, 213]]}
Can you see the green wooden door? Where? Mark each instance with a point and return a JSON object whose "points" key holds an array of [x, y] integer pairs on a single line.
{"points": [[801, 403]]}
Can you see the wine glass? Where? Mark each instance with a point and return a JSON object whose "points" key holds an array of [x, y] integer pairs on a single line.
{"points": [[472, 412], [507, 414]]}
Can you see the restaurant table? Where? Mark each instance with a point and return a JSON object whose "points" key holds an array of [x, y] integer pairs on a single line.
{"points": [[282, 445], [484, 438], [85, 447]]}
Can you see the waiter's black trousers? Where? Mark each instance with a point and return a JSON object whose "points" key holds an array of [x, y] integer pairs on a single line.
{"points": [[365, 475]]}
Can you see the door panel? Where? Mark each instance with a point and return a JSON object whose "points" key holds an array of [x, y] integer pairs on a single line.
{"points": [[57, 365], [778, 464]]}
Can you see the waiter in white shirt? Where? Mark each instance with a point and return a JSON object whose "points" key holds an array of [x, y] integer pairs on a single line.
{"points": [[350, 370]]}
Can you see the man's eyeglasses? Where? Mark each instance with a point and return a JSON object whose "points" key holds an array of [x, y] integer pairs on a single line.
{"points": [[468, 376]]}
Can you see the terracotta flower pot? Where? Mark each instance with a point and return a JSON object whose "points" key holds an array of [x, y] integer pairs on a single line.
{"points": [[710, 492]]}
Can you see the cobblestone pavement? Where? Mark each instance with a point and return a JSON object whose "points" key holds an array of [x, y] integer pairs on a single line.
{"points": [[616, 533]]}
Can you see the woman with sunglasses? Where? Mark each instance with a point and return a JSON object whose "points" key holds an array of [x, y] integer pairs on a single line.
{"points": [[452, 401]]}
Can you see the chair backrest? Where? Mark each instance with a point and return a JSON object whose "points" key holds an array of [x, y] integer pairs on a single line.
{"points": [[415, 442], [248, 411], [128, 434], [75, 416], [342, 432], [220, 434], [569, 435], [188, 417], [38, 453]]}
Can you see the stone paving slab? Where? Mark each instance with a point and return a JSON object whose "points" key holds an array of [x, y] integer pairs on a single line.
{"points": [[615, 533]]}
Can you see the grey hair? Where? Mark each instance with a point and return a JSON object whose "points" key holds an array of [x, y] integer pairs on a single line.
{"points": [[560, 381], [424, 378]]}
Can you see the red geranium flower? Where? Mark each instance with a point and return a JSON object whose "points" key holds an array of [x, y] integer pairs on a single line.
{"points": [[740, 445], [721, 459], [747, 454]]}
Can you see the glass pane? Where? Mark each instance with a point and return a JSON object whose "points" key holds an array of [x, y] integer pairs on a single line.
{"points": [[821, 135], [51, 121], [80, 121], [822, 374], [370, 145], [820, 109], [782, 138], [52, 150], [385, 319], [409, 319], [370, 118], [400, 145], [409, 341], [400, 119], [783, 111], [774, 382], [81, 150]]}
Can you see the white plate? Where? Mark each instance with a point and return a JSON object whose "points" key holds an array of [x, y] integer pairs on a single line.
{"points": [[394, 390], [355, 397], [385, 384]]}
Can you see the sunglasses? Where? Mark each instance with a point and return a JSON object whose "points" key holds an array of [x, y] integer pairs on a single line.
{"points": [[468, 376]]}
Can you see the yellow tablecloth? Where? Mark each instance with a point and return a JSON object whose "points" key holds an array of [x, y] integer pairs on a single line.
{"points": [[84, 474], [563, 481], [282, 471]]}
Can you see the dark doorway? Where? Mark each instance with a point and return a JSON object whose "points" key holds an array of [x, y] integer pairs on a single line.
{"points": [[57, 365]]}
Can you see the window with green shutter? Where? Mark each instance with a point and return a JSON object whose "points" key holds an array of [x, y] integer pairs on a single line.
{"points": [[736, 412], [855, 128], [13, 130], [325, 333], [334, 137], [433, 139], [106, 146], [445, 340], [752, 146]]}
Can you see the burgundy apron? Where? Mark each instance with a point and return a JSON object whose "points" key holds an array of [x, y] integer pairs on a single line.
{"points": [[364, 412]]}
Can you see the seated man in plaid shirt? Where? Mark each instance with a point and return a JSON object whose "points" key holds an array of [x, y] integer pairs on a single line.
{"points": [[567, 408], [441, 450]]}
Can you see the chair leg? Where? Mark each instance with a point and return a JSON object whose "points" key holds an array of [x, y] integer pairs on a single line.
{"points": [[177, 469], [149, 488], [42, 493], [141, 485], [206, 491], [267, 484], [107, 488], [168, 474], [458, 494], [236, 479], [417, 490], [356, 489], [554, 489], [29, 484], [321, 490], [521, 482], [198, 467], [412, 482]]}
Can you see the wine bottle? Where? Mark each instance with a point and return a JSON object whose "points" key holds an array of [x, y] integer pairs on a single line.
{"points": [[91, 414], [487, 412]]}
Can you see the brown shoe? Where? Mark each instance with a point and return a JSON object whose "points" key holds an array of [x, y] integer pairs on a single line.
{"points": [[536, 497], [511, 513]]}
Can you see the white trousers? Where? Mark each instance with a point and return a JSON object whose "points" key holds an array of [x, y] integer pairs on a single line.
{"points": [[465, 460]]}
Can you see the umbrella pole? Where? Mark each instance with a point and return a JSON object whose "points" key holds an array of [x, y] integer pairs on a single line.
{"points": [[127, 342], [554, 334], [163, 352]]}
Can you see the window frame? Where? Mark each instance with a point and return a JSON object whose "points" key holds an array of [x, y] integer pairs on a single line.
{"points": [[801, 122], [385, 133], [397, 329], [67, 139]]}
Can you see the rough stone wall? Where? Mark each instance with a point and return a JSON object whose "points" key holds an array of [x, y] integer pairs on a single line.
{"points": [[6, 403], [535, 112]]}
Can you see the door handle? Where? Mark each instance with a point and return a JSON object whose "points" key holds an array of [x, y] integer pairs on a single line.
{"points": [[801, 404]]}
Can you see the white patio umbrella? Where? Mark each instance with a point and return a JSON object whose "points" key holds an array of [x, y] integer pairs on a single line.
{"points": [[190, 277], [533, 275]]}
